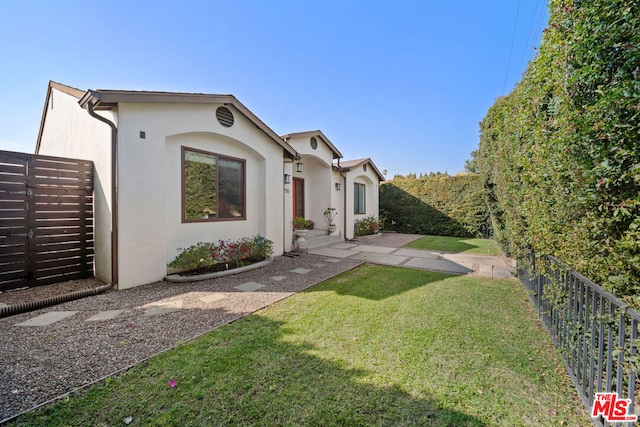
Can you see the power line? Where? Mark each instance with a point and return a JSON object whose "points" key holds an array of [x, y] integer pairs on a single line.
{"points": [[513, 37], [538, 15]]}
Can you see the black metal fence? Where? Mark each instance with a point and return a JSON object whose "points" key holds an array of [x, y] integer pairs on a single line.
{"points": [[596, 332]]}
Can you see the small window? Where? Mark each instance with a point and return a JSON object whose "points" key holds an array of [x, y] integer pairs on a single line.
{"points": [[359, 199], [213, 186]]}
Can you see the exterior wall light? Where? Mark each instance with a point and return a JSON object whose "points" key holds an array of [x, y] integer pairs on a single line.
{"points": [[299, 166], [338, 186], [287, 178]]}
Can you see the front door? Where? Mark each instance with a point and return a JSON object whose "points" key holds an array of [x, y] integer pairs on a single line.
{"points": [[298, 197]]}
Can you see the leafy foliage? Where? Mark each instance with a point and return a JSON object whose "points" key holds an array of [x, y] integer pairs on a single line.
{"points": [[365, 226], [194, 257], [438, 204], [299, 223], [202, 256], [200, 189], [560, 156]]}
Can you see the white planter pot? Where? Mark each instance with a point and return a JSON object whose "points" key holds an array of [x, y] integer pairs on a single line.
{"points": [[301, 234]]}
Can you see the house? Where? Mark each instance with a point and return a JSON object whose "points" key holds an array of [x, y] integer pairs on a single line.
{"points": [[173, 169]]}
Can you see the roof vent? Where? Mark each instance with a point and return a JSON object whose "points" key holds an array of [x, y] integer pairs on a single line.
{"points": [[224, 116], [314, 142]]}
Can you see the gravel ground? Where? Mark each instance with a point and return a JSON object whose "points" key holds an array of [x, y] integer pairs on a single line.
{"points": [[17, 296], [40, 363]]}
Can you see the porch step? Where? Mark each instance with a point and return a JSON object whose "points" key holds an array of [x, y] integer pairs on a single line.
{"points": [[319, 239]]}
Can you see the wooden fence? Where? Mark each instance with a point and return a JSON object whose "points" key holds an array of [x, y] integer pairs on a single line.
{"points": [[46, 220]]}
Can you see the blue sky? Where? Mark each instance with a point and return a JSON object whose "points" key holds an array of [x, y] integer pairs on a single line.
{"points": [[405, 83]]}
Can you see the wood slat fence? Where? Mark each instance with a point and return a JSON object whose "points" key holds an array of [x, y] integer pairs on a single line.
{"points": [[46, 220]]}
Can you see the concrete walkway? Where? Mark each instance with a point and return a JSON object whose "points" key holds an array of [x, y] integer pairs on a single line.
{"points": [[454, 263]]}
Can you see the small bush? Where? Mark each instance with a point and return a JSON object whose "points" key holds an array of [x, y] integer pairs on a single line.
{"points": [[366, 225], [259, 247], [203, 256], [194, 257]]}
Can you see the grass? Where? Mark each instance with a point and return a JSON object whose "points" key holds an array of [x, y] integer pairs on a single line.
{"points": [[376, 346], [457, 244]]}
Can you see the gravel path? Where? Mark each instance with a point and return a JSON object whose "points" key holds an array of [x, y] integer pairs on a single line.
{"points": [[40, 363]]}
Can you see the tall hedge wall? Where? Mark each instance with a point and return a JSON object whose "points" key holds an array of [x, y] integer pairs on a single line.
{"points": [[440, 205], [560, 155]]}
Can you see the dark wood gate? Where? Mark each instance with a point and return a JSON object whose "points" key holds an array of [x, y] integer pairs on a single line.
{"points": [[46, 219]]}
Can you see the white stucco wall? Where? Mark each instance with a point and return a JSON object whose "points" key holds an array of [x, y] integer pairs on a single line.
{"points": [[370, 180], [337, 201], [317, 177], [150, 221], [69, 131]]}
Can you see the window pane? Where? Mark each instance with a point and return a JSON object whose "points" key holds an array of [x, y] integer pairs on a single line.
{"points": [[231, 186], [359, 199], [199, 185]]}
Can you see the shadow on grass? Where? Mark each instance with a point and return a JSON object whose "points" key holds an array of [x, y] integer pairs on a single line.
{"points": [[377, 282], [248, 373]]}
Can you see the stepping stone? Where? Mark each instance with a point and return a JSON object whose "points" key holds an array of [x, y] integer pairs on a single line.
{"points": [[250, 287], [334, 260], [212, 297], [47, 318], [104, 315], [331, 252], [319, 265], [300, 270], [163, 308], [278, 278]]}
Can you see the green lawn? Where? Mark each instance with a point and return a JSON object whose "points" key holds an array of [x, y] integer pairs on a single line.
{"points": [[374, 346], [457, 244]]}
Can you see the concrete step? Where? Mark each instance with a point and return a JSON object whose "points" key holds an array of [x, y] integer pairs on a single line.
{"points": [[318, 238]]}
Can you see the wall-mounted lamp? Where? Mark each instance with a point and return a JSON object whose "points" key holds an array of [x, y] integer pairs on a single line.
{"points": [[299, 166], [338, 186], [287, 178]]}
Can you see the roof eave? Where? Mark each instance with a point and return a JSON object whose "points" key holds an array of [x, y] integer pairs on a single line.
{"points": [[108, 99], [336, 153]]}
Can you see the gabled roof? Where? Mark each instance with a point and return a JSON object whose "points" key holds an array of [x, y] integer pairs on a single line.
{"points": [[76, 93], [105, 99], [317, 133], [350, 165]]}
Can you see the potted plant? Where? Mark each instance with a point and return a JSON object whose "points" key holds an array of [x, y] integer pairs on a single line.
{"points": [[301, 227], [330, 215]]}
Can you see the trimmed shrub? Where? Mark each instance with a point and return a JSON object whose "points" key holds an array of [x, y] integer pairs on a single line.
{"points": [[560, 155], [440, 205]]}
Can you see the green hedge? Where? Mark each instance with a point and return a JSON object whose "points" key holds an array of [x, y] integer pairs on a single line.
{"points": [[560, 155], [439, 205]]}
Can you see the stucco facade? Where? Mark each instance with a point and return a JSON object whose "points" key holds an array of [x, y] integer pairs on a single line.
{"points": [[151, 132]]}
